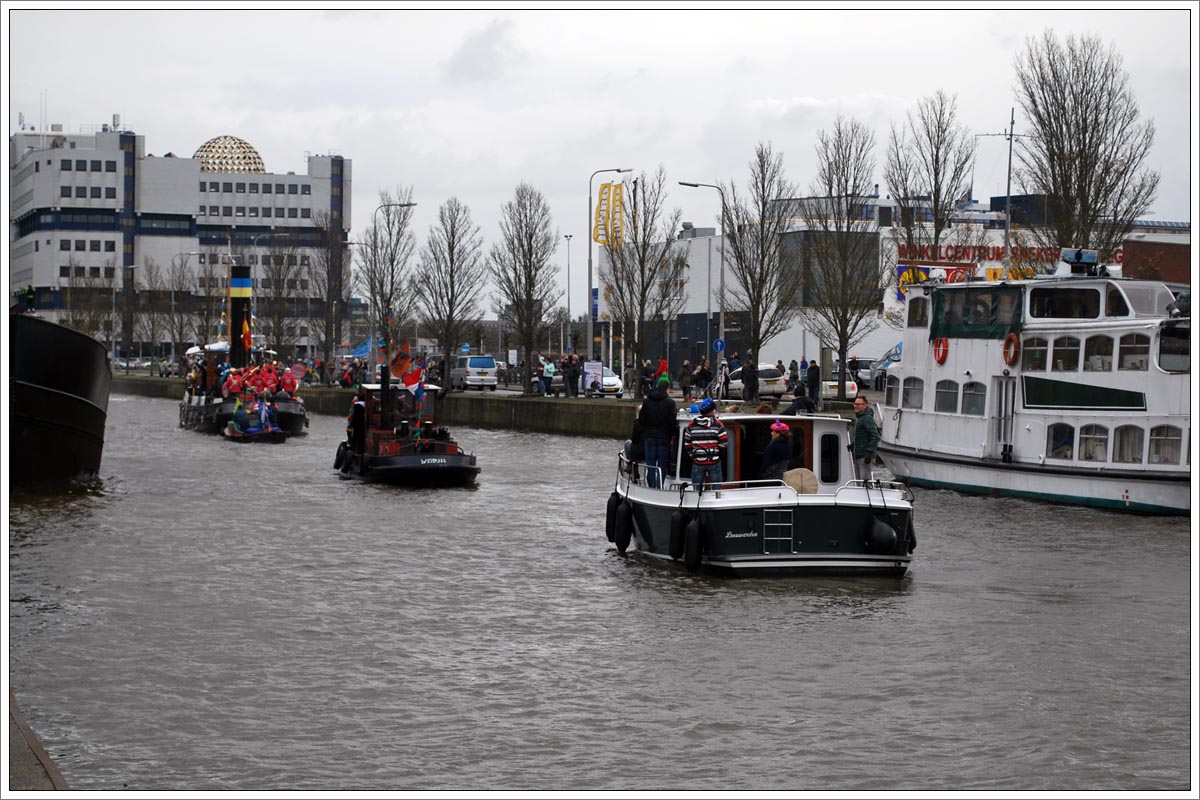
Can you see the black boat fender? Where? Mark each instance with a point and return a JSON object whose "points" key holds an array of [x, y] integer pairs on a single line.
{"points": [[610, 517], [679, 522], [691, 546], [363, 466], [341, 455], [623, 526], [882, 537], [911, 535]]}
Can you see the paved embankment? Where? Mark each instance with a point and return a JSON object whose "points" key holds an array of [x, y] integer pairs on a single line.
{"points": [[29, 766], [603, 417]]}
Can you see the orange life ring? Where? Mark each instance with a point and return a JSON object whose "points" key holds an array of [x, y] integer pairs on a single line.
{"points": [[1012, 349], [941, 349]]}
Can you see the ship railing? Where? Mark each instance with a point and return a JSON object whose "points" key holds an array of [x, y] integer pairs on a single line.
{"points": [[868, 485]]}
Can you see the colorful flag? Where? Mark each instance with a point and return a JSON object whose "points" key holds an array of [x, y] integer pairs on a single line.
{"points": [[247, 340], [401, 361], [413, 377]]}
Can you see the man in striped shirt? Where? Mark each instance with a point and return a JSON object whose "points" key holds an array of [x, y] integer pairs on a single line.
{"points": [[702, 439]]}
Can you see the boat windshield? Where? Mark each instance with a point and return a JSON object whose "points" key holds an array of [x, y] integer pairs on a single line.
{"points": [[1149, 298], [1175, 346]]}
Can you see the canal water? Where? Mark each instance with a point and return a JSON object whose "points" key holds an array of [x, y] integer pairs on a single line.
{"points": [[221, 616]]}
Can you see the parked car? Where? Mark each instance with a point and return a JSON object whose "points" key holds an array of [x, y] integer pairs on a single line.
{"points": [[771, 382], [473, 372], [829, 389], [612, 385]]}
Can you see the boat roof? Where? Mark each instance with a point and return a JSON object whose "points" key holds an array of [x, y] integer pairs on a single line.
{"points": [[683, 416]]}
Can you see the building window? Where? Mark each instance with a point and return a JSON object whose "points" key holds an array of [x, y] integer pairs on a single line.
{"points": [[64, 191], [213, 211], [1166, 444], [80, 246], [95, 166], [304, 263], [110, 246], [1135, 351], [266, 187], [293, 213], [94, 245], [1127, 445], [306, 213], [227, 211], [110, 192], [201, 214], [291, 284], [279, 188], [304, 284], [110, 272], [64, 244], [93, 272], [81, 191], [110, 166], [1033, 354], [1093, 443], [304, 330], [95, 192], [266, 283], [914, 393], [266, 211], [64, 272], [240, 188], [240, 212], [254, 188], [253, 211], [212, 186], [293, 188], [1060, 441], [305, 188], [66, 165], [80, 165], [945, 397], [227, 186], [202, 185], [80, 271]]}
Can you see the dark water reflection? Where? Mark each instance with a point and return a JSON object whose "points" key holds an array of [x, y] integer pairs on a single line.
{"points": [[216, 616]]}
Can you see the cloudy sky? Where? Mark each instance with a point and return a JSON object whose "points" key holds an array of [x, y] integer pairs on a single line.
{"points": [[469, 103]]}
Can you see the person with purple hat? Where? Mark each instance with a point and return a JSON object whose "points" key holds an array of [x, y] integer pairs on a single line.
{"points": [[778, 452]]}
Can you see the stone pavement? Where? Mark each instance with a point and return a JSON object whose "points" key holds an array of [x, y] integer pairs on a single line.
{"points": [[29, 766]]}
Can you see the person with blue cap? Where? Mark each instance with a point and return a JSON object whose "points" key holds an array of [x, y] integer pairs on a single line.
{"points": [[703, 439]]}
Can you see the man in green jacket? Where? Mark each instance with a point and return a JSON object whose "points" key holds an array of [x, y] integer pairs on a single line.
{"points": [[866, 438]]}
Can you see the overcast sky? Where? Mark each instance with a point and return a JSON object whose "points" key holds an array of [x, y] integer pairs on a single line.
{"points": [[469, 103]]}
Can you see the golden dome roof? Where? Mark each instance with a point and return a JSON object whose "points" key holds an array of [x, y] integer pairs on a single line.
{"points": [[229, 154]]}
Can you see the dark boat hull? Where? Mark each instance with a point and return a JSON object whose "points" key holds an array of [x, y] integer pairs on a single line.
{"points": [[59, 386], [205, 415], [418, 469], [292, 417]]}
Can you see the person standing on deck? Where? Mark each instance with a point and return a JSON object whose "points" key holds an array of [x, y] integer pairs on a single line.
{"points": [[866, 439]]}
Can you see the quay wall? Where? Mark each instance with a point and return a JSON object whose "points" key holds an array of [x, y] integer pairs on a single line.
{"points": [[603, 417], [577, 417]]}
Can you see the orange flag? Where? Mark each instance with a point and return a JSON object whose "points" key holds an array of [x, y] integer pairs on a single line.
{"points": [[247, 341], [400, 361]]}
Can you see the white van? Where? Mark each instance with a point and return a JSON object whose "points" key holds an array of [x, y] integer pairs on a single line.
{"points": [[473, 372]]}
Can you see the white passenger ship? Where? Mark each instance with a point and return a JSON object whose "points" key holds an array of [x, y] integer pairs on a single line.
{"points": [[1072, 388]]}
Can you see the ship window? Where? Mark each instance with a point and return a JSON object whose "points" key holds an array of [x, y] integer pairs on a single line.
{"points": [[1066, 354], [1166, 443], [914, 393], [1114, 304], [1175, 348], [1135, 351], [1033, 354], [1097, 354], [946, 397], [891, 396], [1127, 444], [1063, 303], [974, 398], [831, 451], [1060, 441], [918, 312], [1093, 443]]}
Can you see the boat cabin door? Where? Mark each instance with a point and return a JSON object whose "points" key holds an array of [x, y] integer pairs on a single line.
{"points": [[1004, 394]]}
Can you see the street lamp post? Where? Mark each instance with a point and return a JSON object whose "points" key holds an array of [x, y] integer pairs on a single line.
{"points": [[590, 238], [568, 238], [721, 290]]}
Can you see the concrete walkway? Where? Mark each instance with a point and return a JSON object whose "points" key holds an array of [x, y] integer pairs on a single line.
{"points": [[30, 768]]}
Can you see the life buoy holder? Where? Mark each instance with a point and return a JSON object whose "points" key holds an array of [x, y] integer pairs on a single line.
{"points": [[941, 349], [1012, 349]]}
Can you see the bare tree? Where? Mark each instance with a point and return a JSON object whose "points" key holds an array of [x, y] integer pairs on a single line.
{"points": [[840, 250], [453, 274], [87, 301], [384, 255], [276, 301], [181, 283], [767, 279], [331, 280], [150, 319], [929, 166], [644, 275], [1089, 145], [210, 294], [521, 270]]}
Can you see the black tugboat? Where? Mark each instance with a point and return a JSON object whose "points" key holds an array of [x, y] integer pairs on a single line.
{"points": [[59, 382], [213, 394], [415, 451]]}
